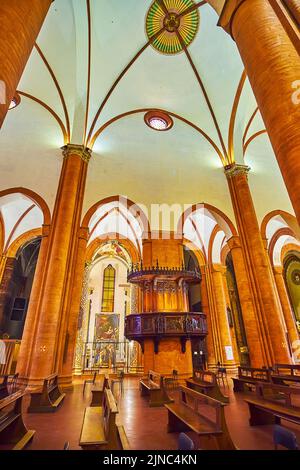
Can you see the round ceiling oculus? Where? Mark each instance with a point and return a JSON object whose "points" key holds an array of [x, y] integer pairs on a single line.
{"points": [[158, 120]]}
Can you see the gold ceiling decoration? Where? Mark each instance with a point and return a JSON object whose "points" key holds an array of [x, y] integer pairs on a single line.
{"points": [[180, 28]]}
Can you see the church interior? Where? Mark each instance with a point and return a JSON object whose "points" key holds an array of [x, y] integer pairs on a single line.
{"points": [[149, 225]]}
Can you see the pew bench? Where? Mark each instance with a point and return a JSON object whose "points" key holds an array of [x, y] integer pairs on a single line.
{"points": [[204, 416], [97, 391], [248, 377], [49, 398], [13, 433], [99, 428], [286, 374], [153, 387], [271, 403], [206, 382]]}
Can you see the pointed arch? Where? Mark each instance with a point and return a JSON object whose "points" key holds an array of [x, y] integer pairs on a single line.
{"points": [[124, 242], [21, 240], [288, 218], [200, 255], [134, 208], [34, 197], [221, 219]]}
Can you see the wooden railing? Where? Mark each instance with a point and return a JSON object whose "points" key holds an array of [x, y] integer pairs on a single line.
{"points": [[160, 325]]}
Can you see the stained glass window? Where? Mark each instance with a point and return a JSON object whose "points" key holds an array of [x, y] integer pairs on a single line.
{"points": [[108, 292]]}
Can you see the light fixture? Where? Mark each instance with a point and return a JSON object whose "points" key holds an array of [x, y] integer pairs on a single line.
{"points": [[15, 101], [158, 120]]}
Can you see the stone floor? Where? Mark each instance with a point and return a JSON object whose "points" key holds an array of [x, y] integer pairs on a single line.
{"points": [[145, 427]]}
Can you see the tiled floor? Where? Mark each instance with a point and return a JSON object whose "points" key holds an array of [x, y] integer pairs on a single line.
{"points": [[145, 427]]}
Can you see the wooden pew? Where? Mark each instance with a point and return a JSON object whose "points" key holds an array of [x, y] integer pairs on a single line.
{"points": [[13, 433], [203, 415], [8, 385], [271, 403], [285, 374], [248, 376], [153, 387], [206, 382], [98, 391], [49, 398], [99, 428]]}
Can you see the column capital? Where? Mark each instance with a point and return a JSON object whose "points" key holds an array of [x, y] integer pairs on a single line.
{"points": [[236, 169], [228, 13], [234, 242], [218, 268], [45, 230], [72, 149], [266, 243], [83, 233]]}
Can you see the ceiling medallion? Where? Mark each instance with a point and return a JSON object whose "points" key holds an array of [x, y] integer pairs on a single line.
{"points": [[15, 101], [187, 25], [158, 120]]}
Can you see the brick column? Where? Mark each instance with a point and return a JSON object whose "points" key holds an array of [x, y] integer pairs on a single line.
{"points": [[211, 339], [267, 51], [33, 313], [218, 272], [52, 344], [21, 21], [259, 354], [231, 328], [285, 304], [258, 267], [74, 307]]}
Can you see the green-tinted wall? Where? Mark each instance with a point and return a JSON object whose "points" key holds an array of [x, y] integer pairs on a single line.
{"points": [[292, 278]]}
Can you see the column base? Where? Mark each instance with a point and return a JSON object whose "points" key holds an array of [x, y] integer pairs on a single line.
{"points": [[66, 382], [29, 383], [33, 383]]}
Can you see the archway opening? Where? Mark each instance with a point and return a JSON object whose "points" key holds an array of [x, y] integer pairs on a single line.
{"points": [[292, 280], [16, 288], [106, 301], [234, 313]]}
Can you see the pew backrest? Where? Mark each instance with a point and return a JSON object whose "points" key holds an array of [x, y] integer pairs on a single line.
{"points": [[50, 382], [287, 369], [278, 393], [254, 373], [205, 376], [110, 411], [14, 399], [208, 408]]}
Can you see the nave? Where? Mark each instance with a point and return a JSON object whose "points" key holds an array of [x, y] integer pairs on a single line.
{"points": [[145, 427], [149, 224]]}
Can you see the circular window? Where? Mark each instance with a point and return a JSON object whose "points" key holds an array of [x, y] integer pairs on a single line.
{"points": [[158, 120]]}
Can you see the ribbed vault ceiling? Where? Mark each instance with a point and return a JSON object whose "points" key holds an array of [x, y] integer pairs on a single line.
{"points": [[90, 80]]}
